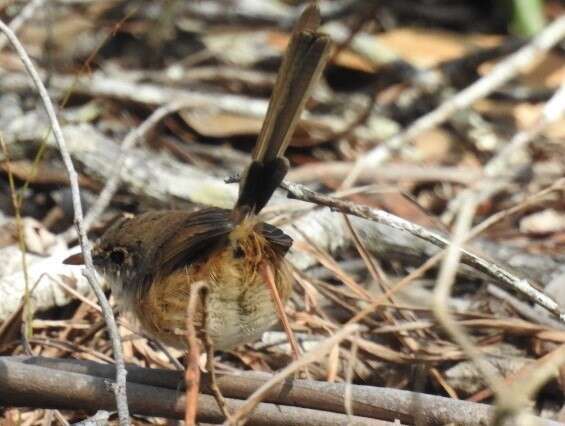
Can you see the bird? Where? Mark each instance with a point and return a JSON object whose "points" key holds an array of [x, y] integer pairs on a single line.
{"points": [[154, 260]]}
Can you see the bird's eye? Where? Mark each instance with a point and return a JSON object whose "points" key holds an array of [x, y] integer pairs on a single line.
{"points": [[117, 256]]}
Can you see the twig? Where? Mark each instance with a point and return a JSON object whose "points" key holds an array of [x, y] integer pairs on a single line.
{"points": [[99, 419], [211, 367], [120, 385], [496, 174], [198, 290], [524, 309], [240, 417], [499, 75], [25, 14], [32, 386], [315, 172], [131, 139], [494, 271], [445, 281], [368, 401]]}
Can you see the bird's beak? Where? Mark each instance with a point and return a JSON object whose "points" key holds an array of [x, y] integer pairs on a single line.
{"points": [[74, 259]]}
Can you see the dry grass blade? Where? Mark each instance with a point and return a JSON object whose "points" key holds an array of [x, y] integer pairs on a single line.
{"points": [[268, 277]]}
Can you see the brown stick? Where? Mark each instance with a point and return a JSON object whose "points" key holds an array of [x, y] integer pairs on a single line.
{"points": [[368, 401], [32, 386], [192, 375], [498, 273]]}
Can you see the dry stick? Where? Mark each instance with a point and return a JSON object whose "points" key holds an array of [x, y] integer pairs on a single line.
{"points": [[239, 418], [368, 401], [32, 386], [445, 281], [25, 14], [530, 384], [214, 387], [494, 271], [499, 75], [510, 402], [524, 374], [495, 175], [193, 356], [523, 309], [120, 386], [199, 290], [378, 275], [133, 137]]}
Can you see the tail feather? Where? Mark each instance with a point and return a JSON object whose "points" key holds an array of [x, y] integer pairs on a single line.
{"points": [[301, 67]]}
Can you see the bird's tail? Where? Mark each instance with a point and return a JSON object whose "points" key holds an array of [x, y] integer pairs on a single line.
{"points": [[301, 67]]}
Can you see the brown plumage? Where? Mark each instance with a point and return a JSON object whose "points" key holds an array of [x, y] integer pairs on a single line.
{"points": [[153, 260]]}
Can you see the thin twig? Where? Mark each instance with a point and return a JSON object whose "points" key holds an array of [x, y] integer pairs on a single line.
{"points": [[495, 175], [89, 272], [25, 14], [198, 290], [240, 417], [131, 139], [500, 74], [445, 281], [499, 274]]}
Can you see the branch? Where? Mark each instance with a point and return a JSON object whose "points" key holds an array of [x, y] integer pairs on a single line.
{"points": [[496, 175], [25, 14], [164, 180], [494, 271], [367, 401], [32, 386], [242, 415], [89, 272], [131, 139], [499, 75]]}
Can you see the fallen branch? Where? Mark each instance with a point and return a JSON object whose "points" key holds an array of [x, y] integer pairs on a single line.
{"points": [[32, 386], [243, 413], [499, 274], [367, 401], [89, 272]]}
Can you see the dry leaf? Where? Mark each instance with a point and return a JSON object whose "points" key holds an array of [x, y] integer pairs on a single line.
{"points": [[425, 47], [221, 124]]}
